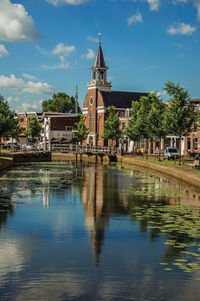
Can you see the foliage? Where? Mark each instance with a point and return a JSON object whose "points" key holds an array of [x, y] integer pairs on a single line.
{"points": [[156, 118], [138, 125], [180, 114], [112, 125], [8, 123], [33, 129], [61, 102], [81, 131], [132, 130]]}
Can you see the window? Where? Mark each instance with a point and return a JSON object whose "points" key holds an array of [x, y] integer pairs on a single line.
{"points": [[195, 127], [91, 122], [68, 128], [102, 75], [195, 143], [188, 144], [123, 125]]}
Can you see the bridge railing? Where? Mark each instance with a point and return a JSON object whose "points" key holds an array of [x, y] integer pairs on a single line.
{"points": [[87, 149]]}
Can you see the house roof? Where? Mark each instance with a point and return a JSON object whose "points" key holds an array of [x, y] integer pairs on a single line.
{"points": [[197, 100], [120, 99], [99, 61]]}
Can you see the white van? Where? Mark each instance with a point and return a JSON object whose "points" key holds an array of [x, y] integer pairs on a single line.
{"points": [[171, 153]]}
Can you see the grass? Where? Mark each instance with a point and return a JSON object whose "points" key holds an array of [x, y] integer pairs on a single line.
{"points": [[5, 158], [164, 163]]}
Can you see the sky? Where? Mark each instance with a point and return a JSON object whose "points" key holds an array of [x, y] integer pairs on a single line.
{"points": [[49, 46]]}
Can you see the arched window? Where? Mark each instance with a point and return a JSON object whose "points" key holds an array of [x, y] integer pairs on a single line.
{"points": [[91, 122], [102, 75]]}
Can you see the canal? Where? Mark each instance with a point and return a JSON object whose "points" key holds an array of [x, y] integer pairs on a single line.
{"points": [[97, 232]]}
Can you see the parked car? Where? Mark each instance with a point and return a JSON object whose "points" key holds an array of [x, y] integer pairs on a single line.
{"points": [[28, 146], [171, 153], [3, 146], [13, 145]]}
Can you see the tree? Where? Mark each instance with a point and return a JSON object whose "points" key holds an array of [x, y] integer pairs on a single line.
{"points": [[112, 125], [33, 129], [61, 102], [81, 132], [156, 117], [132, 131], [180, 114], [8, 123], [138, 125]]}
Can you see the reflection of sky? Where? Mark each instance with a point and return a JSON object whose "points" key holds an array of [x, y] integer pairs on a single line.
{"points": [[47, 252]]}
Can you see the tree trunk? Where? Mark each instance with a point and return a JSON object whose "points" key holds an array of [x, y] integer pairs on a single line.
{"points": [[179, 149], [159, 154], [147, 144]]}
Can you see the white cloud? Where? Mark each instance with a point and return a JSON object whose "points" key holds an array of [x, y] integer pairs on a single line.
{"points": [[11, 99], [183, 1], [95, 40], [61, 49], [15, 23], [137, 18], [89, 55], [197, 5], [3, 51], [41, 50], [18, 84], [72, 2], [58, 66], [181, 28], [28, 106], [154, 4], [28, 76], [62, 59]]}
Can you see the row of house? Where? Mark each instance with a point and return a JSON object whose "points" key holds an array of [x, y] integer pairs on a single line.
{"points": [[58, 127]]}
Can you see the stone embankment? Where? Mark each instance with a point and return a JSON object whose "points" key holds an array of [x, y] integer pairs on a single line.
{"points": [[184, 174], [6, 164]]}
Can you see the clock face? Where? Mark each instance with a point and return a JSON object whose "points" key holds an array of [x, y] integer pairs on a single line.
{"points": [[91, 101]]}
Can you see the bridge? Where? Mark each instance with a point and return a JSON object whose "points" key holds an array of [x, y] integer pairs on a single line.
{"points": [[88, 150]]}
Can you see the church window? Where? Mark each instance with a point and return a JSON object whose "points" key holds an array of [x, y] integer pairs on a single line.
{"points": [[91, 122], [102, 75]]}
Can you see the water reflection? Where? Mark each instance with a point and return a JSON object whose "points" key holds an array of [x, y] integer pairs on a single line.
{"points": [[108, 234]]}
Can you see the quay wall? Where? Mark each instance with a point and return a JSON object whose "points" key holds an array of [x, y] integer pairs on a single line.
{"points": [[180, 174]]}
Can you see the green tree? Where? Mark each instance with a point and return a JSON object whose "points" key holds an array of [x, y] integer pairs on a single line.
{"points": [[138, 126], [33, 129], [61, 102], [180, 115], [81, 132], [112, 125], [8, 123], [132, 131], [156, 117]]}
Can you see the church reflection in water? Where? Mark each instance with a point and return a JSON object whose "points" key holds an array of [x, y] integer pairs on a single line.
{"points": [[107, 193]]}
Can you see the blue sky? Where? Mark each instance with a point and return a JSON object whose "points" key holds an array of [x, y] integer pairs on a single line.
{"points": [[48, 46]]}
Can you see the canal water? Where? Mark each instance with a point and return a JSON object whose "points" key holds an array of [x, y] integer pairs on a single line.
{"points": [[97, 232]]}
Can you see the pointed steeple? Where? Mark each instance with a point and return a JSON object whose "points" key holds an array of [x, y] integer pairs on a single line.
{"points": [[99, 62], [76, 101], [99, 72]]}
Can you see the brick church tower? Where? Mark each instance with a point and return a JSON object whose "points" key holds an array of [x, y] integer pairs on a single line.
{"points": [[99, 97], [93, 108]]}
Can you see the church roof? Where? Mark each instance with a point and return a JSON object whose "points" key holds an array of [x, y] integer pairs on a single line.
{"points": [[120, 99], [99, 62]]}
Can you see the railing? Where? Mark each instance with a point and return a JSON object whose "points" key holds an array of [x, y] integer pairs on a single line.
{"points": [[80, 149]]}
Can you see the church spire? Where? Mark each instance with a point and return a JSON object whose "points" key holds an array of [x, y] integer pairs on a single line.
{"points": [[99, 61]]}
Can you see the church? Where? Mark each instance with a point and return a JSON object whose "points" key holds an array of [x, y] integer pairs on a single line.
{"points": [[99, 97]]}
